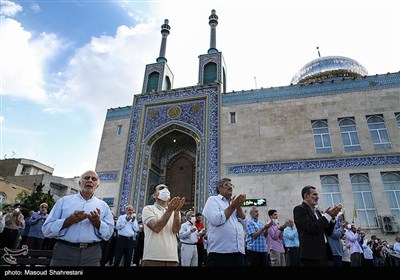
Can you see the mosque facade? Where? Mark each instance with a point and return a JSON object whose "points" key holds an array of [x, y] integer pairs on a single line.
{"points": [[334, 127]]}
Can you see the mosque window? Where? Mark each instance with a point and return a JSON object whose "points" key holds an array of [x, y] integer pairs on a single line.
{"points": [[378, 132], [232, 117], [348, 131], [391, 184], [152, 83], [322, 139], [398, 119], [119, 130], [167, 83], [364, 214], [210, 73], [330, 190]]}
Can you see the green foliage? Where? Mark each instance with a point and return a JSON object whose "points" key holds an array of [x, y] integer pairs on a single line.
{"points": [[32, 201]]}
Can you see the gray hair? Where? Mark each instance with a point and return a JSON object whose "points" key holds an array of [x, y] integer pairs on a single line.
{"points": [[189, 213]]}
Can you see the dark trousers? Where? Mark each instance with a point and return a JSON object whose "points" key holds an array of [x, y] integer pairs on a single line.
{"points": [[65, 255], [292, 256], [256, 259], [226, 259], [200, 254], [35, 243], [9, 238], [337, 261], [124, 247]]}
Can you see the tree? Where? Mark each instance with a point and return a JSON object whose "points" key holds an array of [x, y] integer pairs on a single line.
{"points": [[32, 201]]}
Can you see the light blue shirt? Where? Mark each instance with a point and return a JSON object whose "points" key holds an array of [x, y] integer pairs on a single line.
{"points": [[291, 237], [223, 235], [396, 248], [84, 231], [127, 228], [35, 225]]}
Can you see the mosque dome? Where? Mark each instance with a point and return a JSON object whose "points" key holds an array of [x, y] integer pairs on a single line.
{"points": [[329, 67]]}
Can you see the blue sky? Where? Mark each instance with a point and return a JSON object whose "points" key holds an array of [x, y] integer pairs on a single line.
{"points": [[64, 63]]}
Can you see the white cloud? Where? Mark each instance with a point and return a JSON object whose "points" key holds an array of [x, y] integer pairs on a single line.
{"points": [[8, 8], [24, 60], [108, 71]]}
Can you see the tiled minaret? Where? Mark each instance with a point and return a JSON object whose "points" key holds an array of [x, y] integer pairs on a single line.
{"points": [[213, 22], [212, 65], [158, 76]]}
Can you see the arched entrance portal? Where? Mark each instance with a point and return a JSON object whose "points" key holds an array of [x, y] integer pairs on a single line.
{"points": [[180, 178], [173, 162]]}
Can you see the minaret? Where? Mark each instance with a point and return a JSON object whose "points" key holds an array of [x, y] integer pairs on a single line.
{"points": [[165, 32], [158, 76], [212, 65], [213, 22]]}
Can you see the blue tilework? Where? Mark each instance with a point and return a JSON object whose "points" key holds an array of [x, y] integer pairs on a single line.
{"points": [[312, 165], [199, 115], [108, 176]]}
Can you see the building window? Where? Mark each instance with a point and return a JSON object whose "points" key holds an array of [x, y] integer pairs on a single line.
{"points": [[232, 117], [119, 130], [57, 190], [398, 119], [73, 191], [364, 213], [330, 190], [349, 133], [26, 170], [391, 184], [378, 132], [3, 198], [152, 82], [109, 200], [210, 73], [322, 139]]}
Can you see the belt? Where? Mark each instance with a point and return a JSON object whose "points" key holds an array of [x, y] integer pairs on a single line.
{"points": [[79, 245], [129, 237], [188, 243]]}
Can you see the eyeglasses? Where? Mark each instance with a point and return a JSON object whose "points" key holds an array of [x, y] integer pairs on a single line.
{"points": [[94, 178], [229, 185]]}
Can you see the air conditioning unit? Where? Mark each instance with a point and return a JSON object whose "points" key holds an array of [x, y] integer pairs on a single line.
{"points": [[388, 224]]}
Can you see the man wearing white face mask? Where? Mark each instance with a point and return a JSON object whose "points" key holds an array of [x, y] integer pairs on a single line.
{"points": [[127, 227], [188, 236], [162, 223]]}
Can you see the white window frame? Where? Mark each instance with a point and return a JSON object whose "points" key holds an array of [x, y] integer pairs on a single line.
{"points": [[320, 130]]}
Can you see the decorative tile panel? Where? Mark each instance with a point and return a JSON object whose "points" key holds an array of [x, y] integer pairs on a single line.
{"points": [[108, 176], [199, 112], [159, 115], [313, 165]]}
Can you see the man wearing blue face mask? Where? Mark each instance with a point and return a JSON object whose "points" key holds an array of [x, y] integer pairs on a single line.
{"points": [[162, 222]]}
